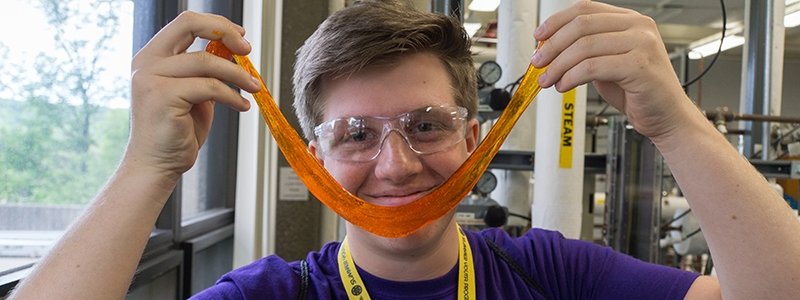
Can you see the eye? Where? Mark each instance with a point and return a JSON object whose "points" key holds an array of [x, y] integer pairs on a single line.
{"points": [[427, 130], [424, 126], [359, 135], [354, 132]]}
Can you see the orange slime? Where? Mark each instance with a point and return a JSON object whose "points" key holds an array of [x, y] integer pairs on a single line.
{"points": [[390, 222]]}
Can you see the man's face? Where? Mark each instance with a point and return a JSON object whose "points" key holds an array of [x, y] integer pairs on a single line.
{"points": [[397, 175]]}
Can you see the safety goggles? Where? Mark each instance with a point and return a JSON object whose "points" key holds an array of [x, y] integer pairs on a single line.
{"points": [[360, 138]]}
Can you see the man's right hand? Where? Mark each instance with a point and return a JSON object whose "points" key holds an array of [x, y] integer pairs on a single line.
{"points": [[173, 92]]}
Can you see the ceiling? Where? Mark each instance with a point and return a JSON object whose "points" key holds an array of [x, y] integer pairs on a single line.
{"points": [[682, 22]]}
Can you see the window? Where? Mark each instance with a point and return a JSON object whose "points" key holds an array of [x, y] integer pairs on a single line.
{"points": [[63, 115], [209, 187], [64, 126]]}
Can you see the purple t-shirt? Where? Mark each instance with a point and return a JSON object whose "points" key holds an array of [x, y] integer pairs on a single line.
{"points": [[564, 268]]}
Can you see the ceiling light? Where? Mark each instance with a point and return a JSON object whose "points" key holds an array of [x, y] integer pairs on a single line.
{"points": [[792, 13], [484, 5], [792, 19], [712, 47], [704, 48], [472, 28]]}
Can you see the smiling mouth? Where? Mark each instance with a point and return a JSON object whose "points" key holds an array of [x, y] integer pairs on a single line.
{"points": [[397, 200]]}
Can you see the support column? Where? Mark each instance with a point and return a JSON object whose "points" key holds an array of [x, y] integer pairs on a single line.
{"points": [[559, 160], [762, 72], [516, 21], [449, 7]]}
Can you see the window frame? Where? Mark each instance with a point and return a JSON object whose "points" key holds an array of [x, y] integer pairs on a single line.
{"points": [[219, 178], [164, 248]]}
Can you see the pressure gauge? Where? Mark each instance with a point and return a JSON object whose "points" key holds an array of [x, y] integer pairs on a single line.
{"points": [[486, 184], [490, 72]]}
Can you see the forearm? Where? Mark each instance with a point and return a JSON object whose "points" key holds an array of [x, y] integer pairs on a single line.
{"points": [[102, 248], [751, 232]]}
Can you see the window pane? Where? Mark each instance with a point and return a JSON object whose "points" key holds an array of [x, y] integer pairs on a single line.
{"points": [[194, 199], [63, 114], [211, 182], [197, 182]]}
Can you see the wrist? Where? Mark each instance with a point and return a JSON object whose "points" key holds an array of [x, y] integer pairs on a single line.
{"points": [[686, 125], [156, 183], [164, 166]]}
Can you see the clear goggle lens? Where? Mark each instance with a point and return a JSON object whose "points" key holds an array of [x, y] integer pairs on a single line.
{"points": [[360, 138]]}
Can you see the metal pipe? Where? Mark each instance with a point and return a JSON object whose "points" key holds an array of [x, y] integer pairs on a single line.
{"points": [[752, 61], [737, 132], [766, 118], [453, 8], [516, 21], [767, 75], [762, 70], [728, 116]]}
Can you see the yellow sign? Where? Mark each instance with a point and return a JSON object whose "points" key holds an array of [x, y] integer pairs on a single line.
{"points": [[567, 130]]}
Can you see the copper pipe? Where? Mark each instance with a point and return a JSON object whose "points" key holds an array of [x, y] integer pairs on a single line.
{"points": [[737, 132], [763, 118], [723, 113]]}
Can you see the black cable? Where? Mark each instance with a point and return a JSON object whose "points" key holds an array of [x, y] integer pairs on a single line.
{"points": [[709, 265], [511, 86], [519, 216], [602, 111], [683, 214], [719, 50], [778, 141], [755, 154], [512, 264], [691, 234]]}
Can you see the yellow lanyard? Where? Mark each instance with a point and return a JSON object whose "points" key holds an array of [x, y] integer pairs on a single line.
{"points": [[355, 288]]}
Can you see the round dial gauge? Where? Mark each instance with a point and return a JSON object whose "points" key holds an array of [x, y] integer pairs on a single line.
{"points": [[486, 184], [490, 72]]}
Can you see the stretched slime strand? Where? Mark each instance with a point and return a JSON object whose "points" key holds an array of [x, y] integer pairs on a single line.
{"points": [[397, 221]]}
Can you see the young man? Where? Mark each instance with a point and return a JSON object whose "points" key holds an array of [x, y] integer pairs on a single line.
{"points": [[364, 76]]}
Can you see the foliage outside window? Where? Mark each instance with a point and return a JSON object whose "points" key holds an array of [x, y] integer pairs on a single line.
{"points": [[63, 114]]}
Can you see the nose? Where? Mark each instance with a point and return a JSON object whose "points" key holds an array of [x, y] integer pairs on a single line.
{"points": [[397, 162]]}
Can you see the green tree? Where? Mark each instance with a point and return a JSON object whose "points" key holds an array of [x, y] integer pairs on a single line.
{"points": [[58, 141]]}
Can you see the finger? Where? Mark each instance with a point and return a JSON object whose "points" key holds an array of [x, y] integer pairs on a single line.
{"points": [[586, 47], [179, 34], [561, 18], [576, 31], [604, 68], [204, 64], [197, 90]]}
